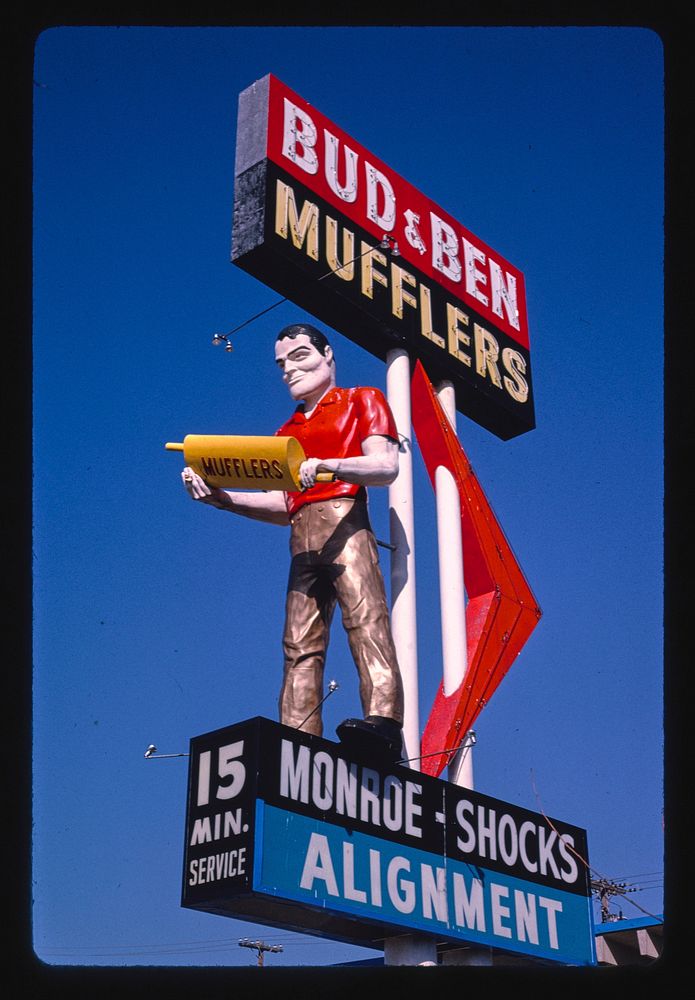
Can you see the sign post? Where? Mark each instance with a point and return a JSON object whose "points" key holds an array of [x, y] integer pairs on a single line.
{"points": [[402, 530], [452, 596], [409, 949]]}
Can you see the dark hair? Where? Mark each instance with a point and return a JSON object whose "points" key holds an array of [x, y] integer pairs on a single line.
{"points": [[297, 329]]}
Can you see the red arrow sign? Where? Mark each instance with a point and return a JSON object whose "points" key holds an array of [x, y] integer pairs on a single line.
{"points": [[501, 611]]}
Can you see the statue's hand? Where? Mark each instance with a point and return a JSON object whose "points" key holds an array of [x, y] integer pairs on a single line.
{"points": [[308, 471], [196, 487]]}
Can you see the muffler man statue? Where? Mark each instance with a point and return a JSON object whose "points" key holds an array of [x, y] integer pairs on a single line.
{"points": [[350, 433]]}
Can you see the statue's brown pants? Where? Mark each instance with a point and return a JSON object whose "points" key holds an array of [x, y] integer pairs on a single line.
{"points": [[335, 560]]}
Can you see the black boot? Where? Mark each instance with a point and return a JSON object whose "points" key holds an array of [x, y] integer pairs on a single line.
{"points": [[376, 736]]}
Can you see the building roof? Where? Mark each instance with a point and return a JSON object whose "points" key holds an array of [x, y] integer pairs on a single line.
{"points": [[629, 942]]}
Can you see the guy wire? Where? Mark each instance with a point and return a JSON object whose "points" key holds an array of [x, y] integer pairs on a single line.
{"points": [[385, 239]]}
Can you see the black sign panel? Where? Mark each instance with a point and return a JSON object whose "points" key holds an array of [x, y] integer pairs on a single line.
{"points": [[222, 781], [287, 828], [337, 271]]}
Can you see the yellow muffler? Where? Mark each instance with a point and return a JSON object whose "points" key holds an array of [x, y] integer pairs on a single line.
{"points": [[245, 462]]}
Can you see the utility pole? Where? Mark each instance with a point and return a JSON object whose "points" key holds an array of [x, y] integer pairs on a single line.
{"points": [[604, 889], [260, 947]]}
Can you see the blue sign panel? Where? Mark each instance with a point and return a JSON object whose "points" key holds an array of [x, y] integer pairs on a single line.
{"points": [[285, 828], [319, 864]]}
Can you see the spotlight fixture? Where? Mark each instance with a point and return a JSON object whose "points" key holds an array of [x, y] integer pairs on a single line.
{"points": [[151, 753], [222, 338], [390, 244], [333, 686]]}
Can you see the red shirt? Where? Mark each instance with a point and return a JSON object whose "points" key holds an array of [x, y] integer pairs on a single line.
{"points": [[336, 429]]}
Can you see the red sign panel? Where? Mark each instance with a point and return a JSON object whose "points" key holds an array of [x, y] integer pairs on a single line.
{"points": [[337, 168], [334, 229]]}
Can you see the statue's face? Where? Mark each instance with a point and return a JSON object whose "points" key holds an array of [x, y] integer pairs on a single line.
{"points": [[305, 370]]}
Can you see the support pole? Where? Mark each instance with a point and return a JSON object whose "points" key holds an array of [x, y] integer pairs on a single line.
{"points": [[409, 949], [452, 597], [402, 527]]}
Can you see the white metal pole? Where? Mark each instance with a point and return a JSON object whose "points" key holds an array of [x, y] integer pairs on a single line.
{"points": [[409, 949], [452, 596], [402, 528]]}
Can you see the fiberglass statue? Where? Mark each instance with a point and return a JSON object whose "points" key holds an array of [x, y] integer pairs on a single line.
{"points": [[350, 433]]}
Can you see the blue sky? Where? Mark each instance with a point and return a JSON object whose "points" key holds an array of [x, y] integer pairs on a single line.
{"points": [[156, 619]]}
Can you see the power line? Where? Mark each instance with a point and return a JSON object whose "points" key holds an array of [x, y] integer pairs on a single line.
{"points": [[603, 886], [165, 948], [628, 878]]}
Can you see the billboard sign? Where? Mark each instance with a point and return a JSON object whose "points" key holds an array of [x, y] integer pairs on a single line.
{"points": [[284, 828], [333, 228]]}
